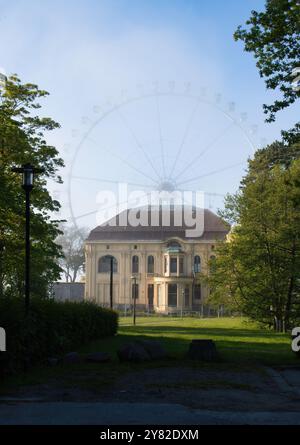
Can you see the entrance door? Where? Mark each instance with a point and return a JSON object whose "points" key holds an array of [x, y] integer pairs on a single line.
{"points": [[197, 296], [150, 296]]}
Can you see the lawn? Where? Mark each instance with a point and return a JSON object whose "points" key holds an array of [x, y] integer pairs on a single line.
{"points": [[240, 343], [237, 339]]}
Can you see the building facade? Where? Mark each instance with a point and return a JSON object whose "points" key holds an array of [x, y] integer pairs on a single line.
{"points": [[158, 265]]}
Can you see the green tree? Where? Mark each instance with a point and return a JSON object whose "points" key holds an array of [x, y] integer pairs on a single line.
{"points": [[258, 270], [273, 36], [22, 140]]}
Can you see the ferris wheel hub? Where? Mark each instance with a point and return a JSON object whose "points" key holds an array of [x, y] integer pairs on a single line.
{"points": [[167, 185]]}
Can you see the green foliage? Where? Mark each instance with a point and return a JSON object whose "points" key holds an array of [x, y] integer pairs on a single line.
{"points": [[277, 153], [51, 328], [22, 140], [273, 36], [259, 268]]}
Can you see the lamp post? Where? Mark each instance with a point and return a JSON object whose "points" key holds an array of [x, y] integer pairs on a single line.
{"points": [[134, 297], [111, 281], [28, 172]]}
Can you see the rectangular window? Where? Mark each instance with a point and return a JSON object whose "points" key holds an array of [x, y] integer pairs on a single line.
{"points": [[166, 265], [135, 290], [173, 265], [197, 292], [150, 295], [172, 295], [150, 266], [135, 264], [181, 265]]}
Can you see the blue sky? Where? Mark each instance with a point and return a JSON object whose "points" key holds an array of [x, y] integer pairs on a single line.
{"points": [[91, 54]]}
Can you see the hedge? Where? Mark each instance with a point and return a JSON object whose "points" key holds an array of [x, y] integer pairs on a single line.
{"points": [[50, 329]]}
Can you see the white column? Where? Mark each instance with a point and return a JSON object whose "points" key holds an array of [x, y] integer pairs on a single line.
{"points": [[94, 272], [87, 286]]}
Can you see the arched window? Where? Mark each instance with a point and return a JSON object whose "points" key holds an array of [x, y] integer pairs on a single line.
{"points": [[173, 243], [150, 265], [104, 264], [197, 264], [135, 264], [174, 246]]}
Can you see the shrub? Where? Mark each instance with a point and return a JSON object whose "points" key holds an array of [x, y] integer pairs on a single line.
{"points": [[51, 328]]}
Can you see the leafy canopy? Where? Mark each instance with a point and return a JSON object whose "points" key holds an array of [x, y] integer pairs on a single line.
{"points": [[273, 36], [23, 140]]}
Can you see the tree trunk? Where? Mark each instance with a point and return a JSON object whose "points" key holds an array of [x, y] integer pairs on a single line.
{"points": [[290, 292], [74, 275]]}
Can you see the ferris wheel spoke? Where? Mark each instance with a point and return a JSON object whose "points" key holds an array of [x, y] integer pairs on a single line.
{"points": [[83, 215], [210, 145], [110, 181], [214, 172], [205, 193], [117, 205], [160, 138], [125, 162], [185, 134], [138, 143]]}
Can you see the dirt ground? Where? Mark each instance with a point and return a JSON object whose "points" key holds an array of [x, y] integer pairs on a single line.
{"points": [[262, 389]]}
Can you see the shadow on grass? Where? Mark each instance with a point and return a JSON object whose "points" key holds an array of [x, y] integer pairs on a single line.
{"points": [[239, 348], [268, 349], [202, 331]]}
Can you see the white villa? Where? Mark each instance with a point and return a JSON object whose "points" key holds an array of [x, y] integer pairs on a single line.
{"points": [[158, 264]]}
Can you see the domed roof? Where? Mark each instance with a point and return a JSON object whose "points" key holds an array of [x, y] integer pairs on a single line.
{"points": [[159, 224]]}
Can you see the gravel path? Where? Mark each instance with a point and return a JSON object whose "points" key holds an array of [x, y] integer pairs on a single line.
{"points": [[217, 390]]}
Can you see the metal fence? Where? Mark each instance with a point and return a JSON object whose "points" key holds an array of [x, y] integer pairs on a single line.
{"points": [[201, 311]]}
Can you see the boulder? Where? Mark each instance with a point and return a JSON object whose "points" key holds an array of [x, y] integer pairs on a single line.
{"points": [[132, 352], [98, 357], [72, 358], [203, 350], [154, 348]]}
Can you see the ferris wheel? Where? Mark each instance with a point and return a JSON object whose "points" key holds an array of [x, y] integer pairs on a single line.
{"points": [[163, 139]]}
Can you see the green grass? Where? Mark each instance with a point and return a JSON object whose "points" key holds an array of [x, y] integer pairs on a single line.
{"points": [[241, 344], [237, 339]]}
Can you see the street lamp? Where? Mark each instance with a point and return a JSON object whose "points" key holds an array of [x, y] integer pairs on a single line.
{"points": [[133, 278], [111, 281], [28, 172]]}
